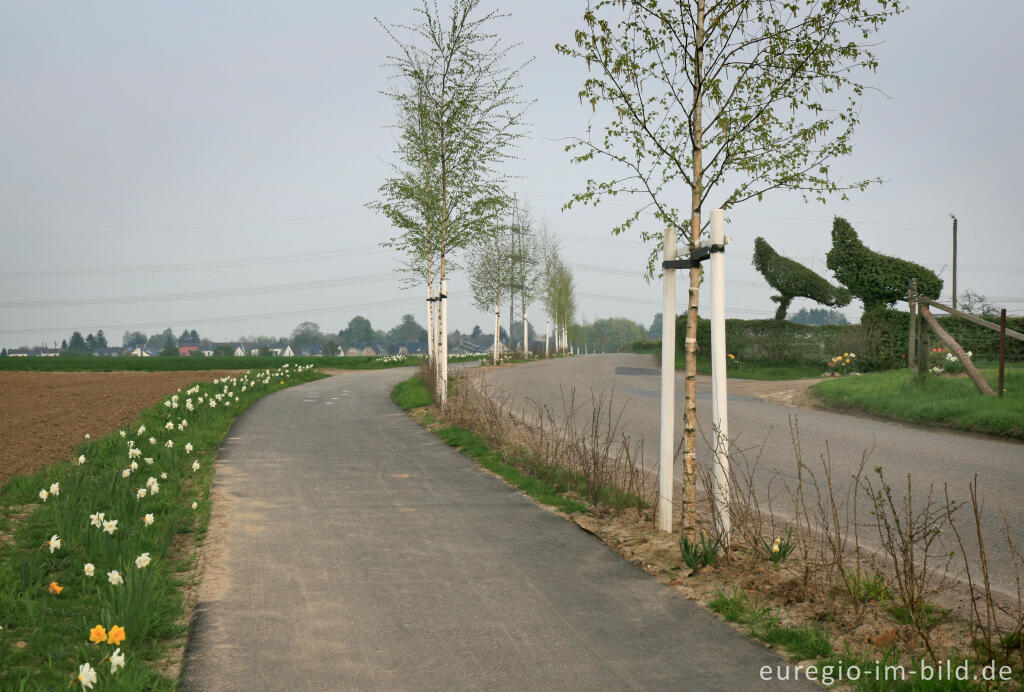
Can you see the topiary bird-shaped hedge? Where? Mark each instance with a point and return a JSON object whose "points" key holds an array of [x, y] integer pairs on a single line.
{"points": [[878, 280], [793, 280]]}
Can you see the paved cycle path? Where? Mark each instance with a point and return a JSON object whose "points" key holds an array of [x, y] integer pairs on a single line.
{"points": [[361, 552]]}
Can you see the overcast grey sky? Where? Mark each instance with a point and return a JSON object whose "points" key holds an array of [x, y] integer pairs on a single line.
{"points": [[218, 148]]}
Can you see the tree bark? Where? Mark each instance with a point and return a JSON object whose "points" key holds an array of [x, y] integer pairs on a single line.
{"points": [[954, 347], [689, 508]]}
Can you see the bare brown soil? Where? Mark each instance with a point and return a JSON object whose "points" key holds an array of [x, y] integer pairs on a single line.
{"points": [[43, 415]]}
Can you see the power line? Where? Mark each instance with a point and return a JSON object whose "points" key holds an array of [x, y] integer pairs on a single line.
{"points": [[233, 318], [189, 266], [199, 295], [204, 227]]}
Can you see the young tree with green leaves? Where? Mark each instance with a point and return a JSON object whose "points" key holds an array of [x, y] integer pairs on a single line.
{"points": [[450, 72], [720, 101]]}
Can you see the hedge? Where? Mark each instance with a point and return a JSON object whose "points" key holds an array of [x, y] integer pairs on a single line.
{"points": [[793, 280], [880, 340]]}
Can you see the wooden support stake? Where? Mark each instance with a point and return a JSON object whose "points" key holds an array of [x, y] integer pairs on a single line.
{"points": [[1002, 348], [954, 347], [912, 301]]}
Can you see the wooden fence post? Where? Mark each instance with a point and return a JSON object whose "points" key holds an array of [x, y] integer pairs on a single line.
{"points": [[1002, 348], [912, 301]]}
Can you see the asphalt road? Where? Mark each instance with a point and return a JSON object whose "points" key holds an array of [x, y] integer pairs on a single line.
{"points": [[355, 550], [761, 431]]}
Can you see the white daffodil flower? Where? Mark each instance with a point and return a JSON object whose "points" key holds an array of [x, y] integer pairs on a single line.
{"points": [[148, 520], [115, 578], [142, 561], [89, 569]]}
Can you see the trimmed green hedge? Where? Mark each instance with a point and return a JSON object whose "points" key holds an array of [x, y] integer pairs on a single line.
{"points": [[878, 280], [880, 340], [793, 280]]}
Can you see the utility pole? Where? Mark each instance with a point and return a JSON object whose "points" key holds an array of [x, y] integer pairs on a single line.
{"points": [[954, 260]]}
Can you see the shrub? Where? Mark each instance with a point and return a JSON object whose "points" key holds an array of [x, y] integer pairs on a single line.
{"points": [[878, 280], [793, 280]]}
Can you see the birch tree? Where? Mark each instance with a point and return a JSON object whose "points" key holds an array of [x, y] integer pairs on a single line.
{"points": [[720, 101], [455, 67]]}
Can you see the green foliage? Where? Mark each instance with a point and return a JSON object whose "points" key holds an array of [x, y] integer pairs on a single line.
{"points": [[878, 280], [768, 341], [608, 334], [780, 549], [951, 402], [476, 447], [77, 344], [702, 553], [869, 587], [411, 393], [793, 280], [818, 316]]}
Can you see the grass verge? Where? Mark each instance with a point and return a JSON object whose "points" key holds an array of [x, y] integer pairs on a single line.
{"points": [[950, 402], [51, 602], [413, 393]]}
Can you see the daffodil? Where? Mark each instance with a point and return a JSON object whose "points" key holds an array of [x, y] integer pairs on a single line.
{"points": [[195, 505], [148, 520], [195, 465], [110, 526], [169, 444], [44, 494], [188, 448], [149, 461], [86, 676], [140, 493], [169, 426], [54, 542], [134, 466], [122, 433], [154, 489], [142, 429], [142, 561], [126, 472], [163, 475], [89, 569], [134, 453], [87, 436], [116, 660], [81, 459], [96, 520], [116, 635], [55, 489], [55, 588], [152, 440], [98, 634], [115, 578]]}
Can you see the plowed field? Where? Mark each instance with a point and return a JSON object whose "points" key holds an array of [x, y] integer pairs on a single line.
{"points": [[43, 415]]}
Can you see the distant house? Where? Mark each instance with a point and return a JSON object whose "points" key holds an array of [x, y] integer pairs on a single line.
{"points": [[19, 353], [240, 350], [366, 348], [409, 348], [47, 352], [207, 350], [144, 352], [286, 351], [310, 350], [108, 352], [187, 350]]}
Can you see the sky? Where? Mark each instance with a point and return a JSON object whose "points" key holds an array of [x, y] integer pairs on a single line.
{"points": [[207, 165]]}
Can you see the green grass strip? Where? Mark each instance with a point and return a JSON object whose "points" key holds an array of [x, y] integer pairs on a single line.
{"points": [[412, 393], [475, 447], [951, 402], [46, 635]]}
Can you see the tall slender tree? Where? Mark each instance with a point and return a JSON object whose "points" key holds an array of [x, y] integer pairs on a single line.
{"points": [[731, 98], [451, 71]]}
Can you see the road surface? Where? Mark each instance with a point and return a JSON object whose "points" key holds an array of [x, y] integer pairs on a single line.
{"points": [[931, 456], [354, 550]]}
